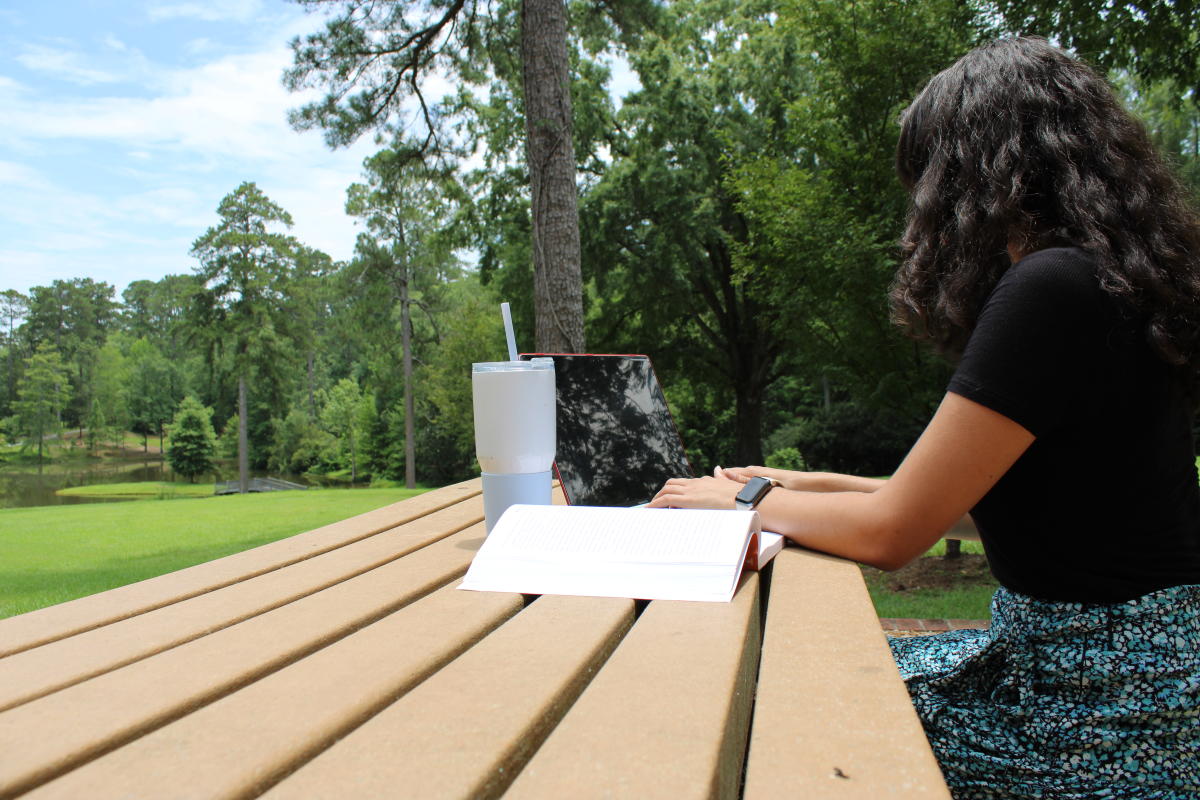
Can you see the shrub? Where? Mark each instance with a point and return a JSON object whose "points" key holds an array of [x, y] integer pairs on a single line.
{"points": [[193, 442], [787, 458], [854, 439]]}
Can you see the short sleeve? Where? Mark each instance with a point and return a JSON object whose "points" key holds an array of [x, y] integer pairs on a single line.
{"points": [[1029, 357]]}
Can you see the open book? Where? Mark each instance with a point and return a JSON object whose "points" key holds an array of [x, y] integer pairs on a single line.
{"points": [[647, 553]]}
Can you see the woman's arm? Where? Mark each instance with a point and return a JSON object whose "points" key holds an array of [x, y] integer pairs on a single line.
{"points": [[960, 456], [805, 481]]}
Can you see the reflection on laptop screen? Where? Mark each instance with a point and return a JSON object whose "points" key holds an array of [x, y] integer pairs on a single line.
{"points": [[617, 442]]}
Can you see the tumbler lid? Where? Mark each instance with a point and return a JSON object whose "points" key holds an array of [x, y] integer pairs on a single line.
{"points": [[513, 366]]}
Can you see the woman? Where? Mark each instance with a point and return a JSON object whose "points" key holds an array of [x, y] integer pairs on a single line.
{"points": [[1050, 252]]}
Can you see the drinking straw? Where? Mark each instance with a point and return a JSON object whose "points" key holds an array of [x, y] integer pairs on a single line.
{"points": [[508, 331]]}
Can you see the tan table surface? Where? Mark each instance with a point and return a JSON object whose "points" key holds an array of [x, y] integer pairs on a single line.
{"points": [[344, 662]]}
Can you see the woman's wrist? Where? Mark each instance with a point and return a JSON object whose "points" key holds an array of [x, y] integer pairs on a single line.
{"points": [[834, 482]]}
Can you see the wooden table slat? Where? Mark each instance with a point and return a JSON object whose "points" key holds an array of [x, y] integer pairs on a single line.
{"points": [[667, 716], [45, 625], [468, 730], [34, 673], [44, 737], [239, 744], [825, 658]]}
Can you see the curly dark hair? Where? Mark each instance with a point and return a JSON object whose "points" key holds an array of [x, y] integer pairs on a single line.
{"points": [[1019, 142]]}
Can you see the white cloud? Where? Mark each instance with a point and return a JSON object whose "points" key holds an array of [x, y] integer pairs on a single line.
{"points": [[64, 64], [22, 176], [114, 182], [206, 10]]}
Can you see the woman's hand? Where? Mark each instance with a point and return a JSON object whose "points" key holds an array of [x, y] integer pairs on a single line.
{"points": [[696, 493]]}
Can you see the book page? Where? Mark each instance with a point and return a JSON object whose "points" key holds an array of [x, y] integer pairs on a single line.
{"points": [[625, 535], [649, 553]]}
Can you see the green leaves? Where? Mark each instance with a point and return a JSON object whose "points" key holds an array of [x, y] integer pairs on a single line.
{"points": [[193, 442], [42, 394]]}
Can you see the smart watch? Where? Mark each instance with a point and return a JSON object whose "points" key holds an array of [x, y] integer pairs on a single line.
{"points": [[753, 492]]}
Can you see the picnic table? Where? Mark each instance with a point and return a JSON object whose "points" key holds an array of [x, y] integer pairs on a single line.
{"points": [[345, 662]]}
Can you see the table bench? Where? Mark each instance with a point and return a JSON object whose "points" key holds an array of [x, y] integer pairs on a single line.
{"points": [[344, 662]]}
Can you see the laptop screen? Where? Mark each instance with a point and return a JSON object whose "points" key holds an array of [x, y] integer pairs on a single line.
{"points": [[617, 442]]}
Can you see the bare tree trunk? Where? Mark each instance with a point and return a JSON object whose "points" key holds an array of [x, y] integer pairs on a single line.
{"points": [[550, 155], [243, 439], [748, 425], [312, 399], [410, 448]]}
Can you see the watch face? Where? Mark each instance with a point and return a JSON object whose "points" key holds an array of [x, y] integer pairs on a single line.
{"points": [[753, 491]]}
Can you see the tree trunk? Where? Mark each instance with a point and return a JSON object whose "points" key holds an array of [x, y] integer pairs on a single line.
{"points": [[748, 425], [243, 439], [953, 549], [410, 447], [312, 398], [550, 156]]}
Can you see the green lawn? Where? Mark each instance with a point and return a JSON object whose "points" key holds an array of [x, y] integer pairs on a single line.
{"points": [[141, 490], [51, 554], [968, 601]]}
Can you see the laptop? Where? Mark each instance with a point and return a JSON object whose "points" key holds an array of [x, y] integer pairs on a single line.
{"points": [[617, 441]]}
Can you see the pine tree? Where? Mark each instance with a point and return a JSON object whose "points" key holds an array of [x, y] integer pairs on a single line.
{"points": [[193, 441], [42, 395]]}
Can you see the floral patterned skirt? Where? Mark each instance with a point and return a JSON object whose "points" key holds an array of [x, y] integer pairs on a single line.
{"points": [[1065, 700]]}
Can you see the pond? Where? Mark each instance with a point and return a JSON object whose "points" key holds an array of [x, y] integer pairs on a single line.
{"points": [[23, 485]]}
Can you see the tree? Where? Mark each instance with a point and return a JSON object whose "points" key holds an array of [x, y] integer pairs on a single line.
{"points": [[109, 415], [154, 387], [372, 58], [244, 267], [157, 311], [747, 218], [13, 308], [343, 417], [42, 394], [192, 441], [406, 249], [1156, 39]]}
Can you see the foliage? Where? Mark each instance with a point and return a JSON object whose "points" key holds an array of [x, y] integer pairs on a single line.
{"points": [[739, 224], [1156, 39], [855, 439], [42, 394], [193, 442], [154, 388], [301, 445], [245, 265], [446, 439], [73, 316], [344, 415], [786, 458], [825, 210]]}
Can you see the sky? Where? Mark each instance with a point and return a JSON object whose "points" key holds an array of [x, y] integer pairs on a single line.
{"points": [[123, 124]]}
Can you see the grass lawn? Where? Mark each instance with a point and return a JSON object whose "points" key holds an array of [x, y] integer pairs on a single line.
{"points": [[141, 490], [51, 554], [933, 588]]}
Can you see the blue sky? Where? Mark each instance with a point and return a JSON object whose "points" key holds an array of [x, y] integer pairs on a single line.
{"points": [[123, 124]]}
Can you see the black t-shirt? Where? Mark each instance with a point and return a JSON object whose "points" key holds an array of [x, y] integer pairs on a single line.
{"points": [[1104, 505]]}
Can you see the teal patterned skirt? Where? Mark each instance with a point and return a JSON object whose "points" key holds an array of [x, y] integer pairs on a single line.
{"points": [[1065, 700]]}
